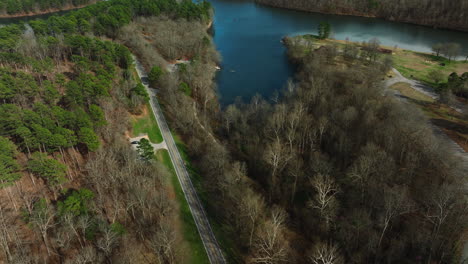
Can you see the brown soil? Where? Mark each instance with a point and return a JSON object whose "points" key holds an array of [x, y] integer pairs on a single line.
{"points": [[462, 68], [462, 142], [143, 113]]}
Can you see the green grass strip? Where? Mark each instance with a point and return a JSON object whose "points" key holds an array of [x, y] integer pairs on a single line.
{"points": [[147, 125], [189, 228]]}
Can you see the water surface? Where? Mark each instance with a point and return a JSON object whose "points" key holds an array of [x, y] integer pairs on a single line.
{"points": [[254, 60]]}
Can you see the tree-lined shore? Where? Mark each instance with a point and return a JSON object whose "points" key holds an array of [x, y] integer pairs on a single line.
{"points": [[434, 13], [25, 8]]}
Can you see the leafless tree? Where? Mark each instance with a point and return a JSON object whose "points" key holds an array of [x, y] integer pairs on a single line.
{"points": [[276, 155], [43, 219], [230, 116], [108, 241], [86, 255], [270, 246], [325, 198], [325, 253], [297, 172], [252, 206], [163, 243], [396, 202], [4, 235]]}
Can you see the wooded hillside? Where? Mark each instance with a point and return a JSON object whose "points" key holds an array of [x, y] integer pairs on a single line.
{"points": [[436, 13], [30, 7], [72, 190], [334, 170]]}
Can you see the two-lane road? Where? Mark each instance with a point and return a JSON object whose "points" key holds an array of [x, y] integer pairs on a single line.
{"points": [[208, 238]]}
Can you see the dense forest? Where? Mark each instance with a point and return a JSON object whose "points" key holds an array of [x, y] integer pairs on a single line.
{"points": [[72, 189], [29, 7], [331, 170], [436, 13], [360, 173]]}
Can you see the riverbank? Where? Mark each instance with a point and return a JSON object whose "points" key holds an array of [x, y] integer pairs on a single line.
{"points": [[417, 66], [377, 10], [411, 64], [45, 12]]}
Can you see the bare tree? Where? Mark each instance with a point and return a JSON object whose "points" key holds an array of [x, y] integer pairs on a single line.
{"points": [[439, 208], [270, 246], [108, 241], [43, 218], [437, 48], [4, 235], [372, 48], [83, 223], [163, 242], [297, 172], [230, 116], [277, 156], [451, 50], [86, 255], [252, 206], [323, 124], [325, 196], [396, 202], [361, 171], [325, 253], [294, 118]]}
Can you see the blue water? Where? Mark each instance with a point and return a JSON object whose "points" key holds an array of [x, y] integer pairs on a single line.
{"points": [[254, 60]]}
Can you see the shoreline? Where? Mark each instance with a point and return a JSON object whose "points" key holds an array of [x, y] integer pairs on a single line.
{"points": [[45, 12], [359, 14], [459, 58]]}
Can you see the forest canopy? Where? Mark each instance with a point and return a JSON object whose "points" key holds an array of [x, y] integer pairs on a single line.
{"points": [[67, 89], [13, 7]]}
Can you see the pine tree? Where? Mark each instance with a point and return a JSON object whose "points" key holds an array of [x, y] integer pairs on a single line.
{"points": [[145, 149]]}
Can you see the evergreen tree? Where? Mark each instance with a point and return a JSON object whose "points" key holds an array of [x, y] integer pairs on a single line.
{"points": [[141, 91], [145, 149], [324, 30], [9, 168], [87, 137], [154, 75], [76, 203], [47, 168]]}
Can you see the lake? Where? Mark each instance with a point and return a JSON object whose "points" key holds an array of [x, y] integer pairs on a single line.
{"points": [[254, 60]]}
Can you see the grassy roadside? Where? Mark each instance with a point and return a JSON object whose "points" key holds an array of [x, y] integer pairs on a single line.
{"points": [[146, 124], [450, 121], [226, 244], [190, 231], [220, 230]]}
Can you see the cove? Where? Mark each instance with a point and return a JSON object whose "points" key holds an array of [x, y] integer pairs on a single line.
{"points": [[254, 60]]}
